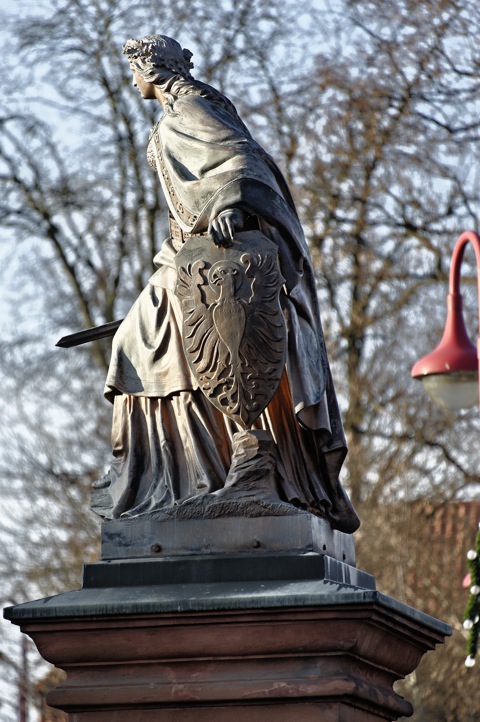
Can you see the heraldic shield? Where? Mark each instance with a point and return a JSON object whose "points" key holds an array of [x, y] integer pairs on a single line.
{"points": [[234, 333]]}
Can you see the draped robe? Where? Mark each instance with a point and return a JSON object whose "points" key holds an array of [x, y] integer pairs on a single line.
{"points": [[169, 442]]}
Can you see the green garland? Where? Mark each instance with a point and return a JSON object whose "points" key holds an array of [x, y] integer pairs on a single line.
{"points": [[472, 610]]}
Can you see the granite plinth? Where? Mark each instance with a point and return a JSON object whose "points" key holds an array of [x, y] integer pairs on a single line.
{"points": [[200, 583], [154, 536]]}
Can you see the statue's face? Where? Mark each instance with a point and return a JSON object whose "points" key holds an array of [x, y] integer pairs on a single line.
{"points": [[146, 89]]}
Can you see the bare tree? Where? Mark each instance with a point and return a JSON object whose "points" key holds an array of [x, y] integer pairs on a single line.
{"points": [[371, 109]]}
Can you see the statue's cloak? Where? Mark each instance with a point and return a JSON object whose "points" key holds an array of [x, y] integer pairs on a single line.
{"points": [[208, 162]]}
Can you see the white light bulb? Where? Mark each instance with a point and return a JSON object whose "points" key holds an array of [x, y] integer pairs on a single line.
{"points": [[475, 589], [468, 624], [471, 554], [469, 662]]}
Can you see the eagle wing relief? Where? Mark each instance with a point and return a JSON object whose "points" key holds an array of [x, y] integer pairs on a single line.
{"points": [[263, 345], [233, 332], [198, 334]]}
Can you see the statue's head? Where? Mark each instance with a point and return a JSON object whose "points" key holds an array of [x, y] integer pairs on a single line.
{"points": [[154, 55]]}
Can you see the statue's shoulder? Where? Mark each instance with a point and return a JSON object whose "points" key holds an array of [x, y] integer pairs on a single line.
{"points": [[206, 116], [193, 102]]}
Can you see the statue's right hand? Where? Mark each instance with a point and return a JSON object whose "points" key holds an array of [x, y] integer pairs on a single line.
{"points": [[223, 227]]}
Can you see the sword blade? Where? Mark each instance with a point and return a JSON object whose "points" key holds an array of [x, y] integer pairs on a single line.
{"points": [[89, 334]]}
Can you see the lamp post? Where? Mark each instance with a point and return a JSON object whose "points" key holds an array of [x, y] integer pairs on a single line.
{"points": [[450, 372], [450, 376]]}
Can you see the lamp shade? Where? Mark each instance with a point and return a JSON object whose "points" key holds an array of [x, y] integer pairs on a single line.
{"points": [[454, 391], [450, 371]]}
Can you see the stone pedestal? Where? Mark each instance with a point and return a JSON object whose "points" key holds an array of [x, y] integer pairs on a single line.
{"points": [[292, 636]]}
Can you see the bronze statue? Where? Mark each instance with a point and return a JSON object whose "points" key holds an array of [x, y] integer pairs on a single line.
{"points": [[219, 374]]}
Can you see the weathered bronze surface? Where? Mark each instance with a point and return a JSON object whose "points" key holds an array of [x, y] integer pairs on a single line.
{"points": [[219, 375]]}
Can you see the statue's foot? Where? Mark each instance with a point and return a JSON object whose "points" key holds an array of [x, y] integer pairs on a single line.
{"points": [[252, 472], [250, 488], [101, 502], [103, 482]]}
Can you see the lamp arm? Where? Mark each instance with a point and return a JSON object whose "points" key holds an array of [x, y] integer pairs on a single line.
{"points": [[454, 295], [457, 257]]}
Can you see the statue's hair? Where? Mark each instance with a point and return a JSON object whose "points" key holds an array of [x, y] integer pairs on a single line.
{"points": [[155, 54]]}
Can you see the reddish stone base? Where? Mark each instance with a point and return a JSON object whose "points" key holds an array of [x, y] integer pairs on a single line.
{"points": [[283, 712], [334, 661]]}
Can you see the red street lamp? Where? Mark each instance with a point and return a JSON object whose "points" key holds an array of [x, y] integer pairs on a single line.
{"points": [[450, 375], [450, 372]]}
